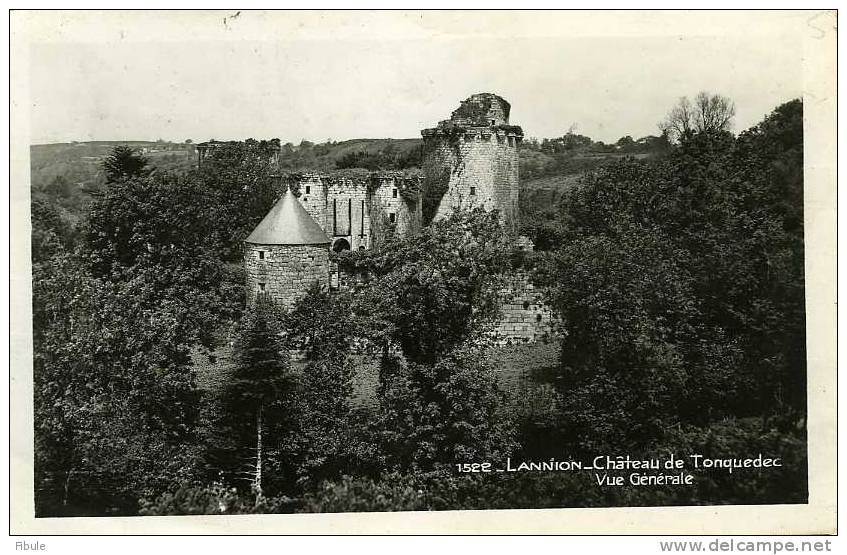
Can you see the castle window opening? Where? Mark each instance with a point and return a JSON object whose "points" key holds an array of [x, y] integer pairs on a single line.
{"points": [[308, 189], [261, 288], [393, 193], [305, 199], [492, 122], [392, 217], [261, 255], [473, 191]]}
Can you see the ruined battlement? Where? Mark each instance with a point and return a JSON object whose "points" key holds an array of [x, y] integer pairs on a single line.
{"points": [[512, 134], [478, 117], [364, 177], [471, 160], [482, 109]]}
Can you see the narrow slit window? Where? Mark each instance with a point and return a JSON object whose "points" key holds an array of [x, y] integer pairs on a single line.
{"points": [[308, 189], [392, 217], [393, 193], [473, 191], [261, 255]]}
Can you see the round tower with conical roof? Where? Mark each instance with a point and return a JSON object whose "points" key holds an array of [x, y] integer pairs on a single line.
{"points": [[471, 160], [286, 254]]}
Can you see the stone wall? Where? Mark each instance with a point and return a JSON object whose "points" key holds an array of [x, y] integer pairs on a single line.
{"points": [[312, 193], [362, 209], [347, 214], [526, 318], [480, 167], [283, 273], [390, 209]]}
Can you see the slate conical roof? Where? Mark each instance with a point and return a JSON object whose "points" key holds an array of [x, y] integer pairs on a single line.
{"points": [[288, 223]]}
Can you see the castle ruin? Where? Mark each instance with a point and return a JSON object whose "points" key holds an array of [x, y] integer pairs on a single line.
{"points": [[470, 160]]}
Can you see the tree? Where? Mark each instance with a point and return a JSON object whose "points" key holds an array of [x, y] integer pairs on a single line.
{"points": [[320, 324], [59, 188], [452, 410], [427, 293], [679, 286], [124, 163], [51, 233], [426, 302], [625, 144], [255, 402], [158, 233], [115, 400], [239, 186], [709, 113]]}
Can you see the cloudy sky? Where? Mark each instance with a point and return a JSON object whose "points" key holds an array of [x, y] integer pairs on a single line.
{"points": [[301, 76]]}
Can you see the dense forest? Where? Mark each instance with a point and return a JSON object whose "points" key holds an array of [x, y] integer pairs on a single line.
{"points": [[674, 265]]}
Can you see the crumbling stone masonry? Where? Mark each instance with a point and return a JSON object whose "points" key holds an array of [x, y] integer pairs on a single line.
{"points": [[471, 160], [357, 211], [526, 318]]}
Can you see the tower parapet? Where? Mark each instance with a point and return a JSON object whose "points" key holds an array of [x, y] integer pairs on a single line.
{"points": [[471, 160]]}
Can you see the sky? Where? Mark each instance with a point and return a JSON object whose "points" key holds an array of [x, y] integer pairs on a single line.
{"points": [[127, 85]]}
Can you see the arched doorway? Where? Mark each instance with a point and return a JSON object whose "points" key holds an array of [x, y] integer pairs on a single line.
{"points": [[340, 244]]}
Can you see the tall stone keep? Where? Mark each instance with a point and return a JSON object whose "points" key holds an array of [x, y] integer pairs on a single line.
{"points": [[472, 160], [286, 254]]}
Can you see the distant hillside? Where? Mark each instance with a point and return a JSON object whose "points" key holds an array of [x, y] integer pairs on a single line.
{"points": [[558, 175], [69, 174], [80, 163], [353, 153]]}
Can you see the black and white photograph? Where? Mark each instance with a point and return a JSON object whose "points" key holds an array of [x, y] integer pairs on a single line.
{"points": [[320, 262]]}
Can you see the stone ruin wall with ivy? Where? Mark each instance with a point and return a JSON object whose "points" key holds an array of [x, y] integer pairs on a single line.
{"points": [[526, 317], [362, 204]]}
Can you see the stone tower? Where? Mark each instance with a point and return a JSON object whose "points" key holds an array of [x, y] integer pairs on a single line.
{"points": [[472, 160], [286, 253]]}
